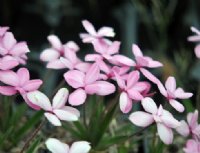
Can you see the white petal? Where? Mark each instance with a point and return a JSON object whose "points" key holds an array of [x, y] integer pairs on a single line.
{"points": [[55, 42], [125, 103], [67, 113], [53, 119], [183, 129], [80, 147], [141, 118], [56, 146], [60, 98], [170, 84], [165, 133], [39, 99], [149, 105], [177, 105]]}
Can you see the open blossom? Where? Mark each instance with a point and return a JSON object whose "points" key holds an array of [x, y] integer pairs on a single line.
{"points": [[10, 47], [172, 93], [191, 127], [164, 119], [131, 89], [57, 110], [94, 35], [56, 146], [192, 146], [87, 83], [195, 38], [18, 82]]}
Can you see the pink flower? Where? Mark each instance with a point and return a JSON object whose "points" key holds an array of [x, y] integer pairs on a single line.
{"points": [[172, 93], [10, 47], [164, 119], [56, 146], [94, 35], [131, 89], [3, 31], [195, 38], [18, 82], [7, 63], [191, 127], [192, 146], [57, 49], [57, 111], [87, 83]]}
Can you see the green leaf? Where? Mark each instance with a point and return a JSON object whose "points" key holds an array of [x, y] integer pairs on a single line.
{"points": [[73, 132], [34, 146], [28, 125], [5, 136]]}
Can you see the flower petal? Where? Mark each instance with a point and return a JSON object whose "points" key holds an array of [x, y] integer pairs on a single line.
{"points": [[165, 133], [133, 77], [183, 129], [89, 27], [67, 113], [177, 105], [114, 48], [24, 76], [7, 90], [179, 93], [39, 99], [9, 78], [92, 74], [32, 85], [149, 105], [19, 49], [55, 42], [106, 31], [170, 84], [75, 78], [56, 146], [125, 103], [53, 119], [77, 97], [136, 50], [80, 147], [60, 98], [141, 119], [8, 40], [49, 54], [56, 64]]}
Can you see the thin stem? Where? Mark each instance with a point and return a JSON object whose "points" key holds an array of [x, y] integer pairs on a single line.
{"points": [[84, 116], [32, 136]]}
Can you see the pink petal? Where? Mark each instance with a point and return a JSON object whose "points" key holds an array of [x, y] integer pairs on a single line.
{"points": [[125, 103], [114, 48], [101, 88], [49, 55], [133, 77], [56, 64], [135, 95], [80, 147], [24, 76], [9, 77], [195, 30], [60, 98], [179, 93], [89, 27], [106, 31], [55, 42], [92, 57], [194, 38], [77, 97], [170, 121], [141, 119], [8, 91], [192, 119], [32, 85], [149, 105], [177, 105], [154, 64], [92, 74], [8, 40], [75, 78], [72, 46], [29, 103], [7, 64], [53, 119], [19, 49], [136, 50], [120, 81], [183, 129], [55, 146], [71, 55], [165, 133], [82, 66], [122, 60], [68, 64], [170, 84], [3, 30], [150, 76], [39, 99], [67, 113]]}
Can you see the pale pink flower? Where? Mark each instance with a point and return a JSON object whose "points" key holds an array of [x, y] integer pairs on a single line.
{"points": [[172, 93], [56, 146], [87, 83], [57, 49], [164, 119], [10, 47], [131, 90], [94, 35], [195, 38], [19, 82], [192, 146], [57, 110], [191, 127]]}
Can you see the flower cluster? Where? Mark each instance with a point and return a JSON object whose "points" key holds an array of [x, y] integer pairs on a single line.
{"points": [[102, 73]]}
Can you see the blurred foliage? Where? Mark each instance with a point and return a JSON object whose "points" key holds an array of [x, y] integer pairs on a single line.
{"points": [[160, 27]]}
